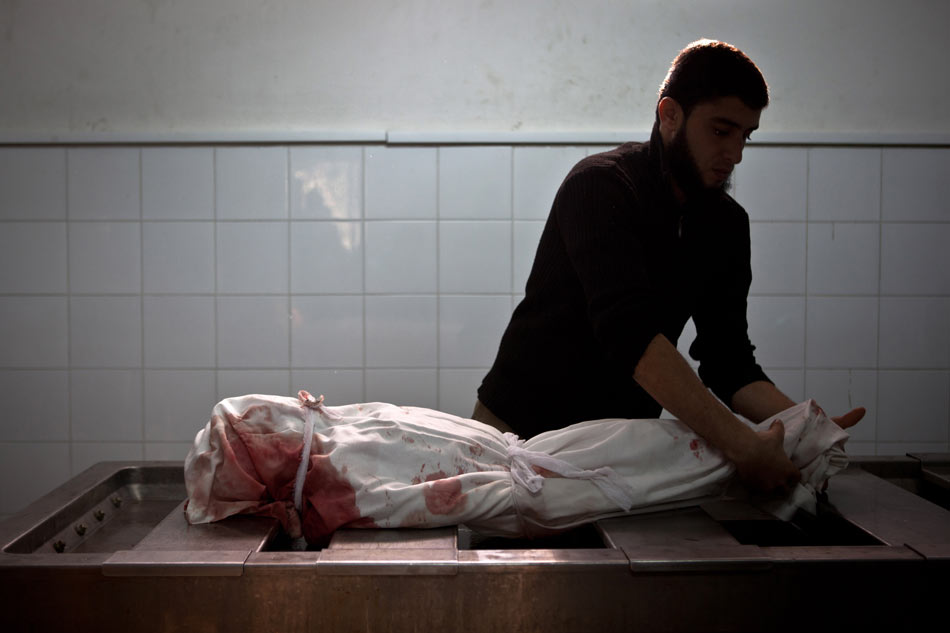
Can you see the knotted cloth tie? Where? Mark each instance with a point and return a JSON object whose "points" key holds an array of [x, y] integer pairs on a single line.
{"points": [[311, 406], [524, 474]]}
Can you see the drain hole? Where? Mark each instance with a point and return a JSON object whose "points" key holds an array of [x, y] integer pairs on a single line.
{"points": [[803, 530]]}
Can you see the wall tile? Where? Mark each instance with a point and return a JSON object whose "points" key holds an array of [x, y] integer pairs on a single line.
{"points": [[105, 257], [772, 182], [841, 390], [915, 332], [599, 149], [777, 329], [458, 390], [475, 182], [326, 257], [844, 184], [778, 258], [178, 256], [327, 332], [538, 173], [86, 454], [911, 448], [860, 449], [253, 332], [34, 331], [405, 387], [791, 382], [491, 203], [34, 402], [913, 406], [252, 257], [401, 331], [475, 256], [401, 183], [178, 403], [326, 183], [29, 471], [32, 183], [400, 257], [916, 184], [527, 235], [843, 258], [106, 405], [470, 329], [179, 332], [339, 386], [33, 257], [915, 259], [842, 332], [103, 184], [686, 339], [251, 183], [167, 451], [177, 183], [239, 382], [105, 332]]}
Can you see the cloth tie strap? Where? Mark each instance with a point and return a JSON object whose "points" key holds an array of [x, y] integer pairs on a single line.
{"points": [[523, 463], [311, 406]]}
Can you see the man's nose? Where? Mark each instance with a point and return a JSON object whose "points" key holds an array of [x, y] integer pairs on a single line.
{"points": [[734, 151]]}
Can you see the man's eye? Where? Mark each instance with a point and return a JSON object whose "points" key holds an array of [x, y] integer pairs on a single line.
{"points": [[719, 132]]}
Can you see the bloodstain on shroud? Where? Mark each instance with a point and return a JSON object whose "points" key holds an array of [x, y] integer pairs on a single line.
{"points": [[270, 460], [444, 495], [697, 447], [329, 500], [258, 467]]}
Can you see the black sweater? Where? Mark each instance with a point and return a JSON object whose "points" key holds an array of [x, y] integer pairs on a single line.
{"points": [[619, 262]]}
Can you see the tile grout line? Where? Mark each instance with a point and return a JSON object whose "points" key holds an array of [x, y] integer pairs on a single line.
{"points": [[807, 218], [438, 277], [290, 274], [911, 222], [363, 379], [142, 296], [880, 272], [511, 217], [69, 301], [214, 268]]}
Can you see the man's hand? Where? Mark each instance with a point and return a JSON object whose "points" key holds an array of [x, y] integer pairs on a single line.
{"points": [[763, 464], [759, 457], [850, 418]]}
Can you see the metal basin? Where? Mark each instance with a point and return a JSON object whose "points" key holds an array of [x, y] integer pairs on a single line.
{"points": [[121, 507]]}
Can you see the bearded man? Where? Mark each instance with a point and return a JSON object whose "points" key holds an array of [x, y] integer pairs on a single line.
{"points": [[639, 240]]}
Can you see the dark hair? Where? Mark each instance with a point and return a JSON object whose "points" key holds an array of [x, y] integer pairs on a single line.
{"points": [[709, 69]]}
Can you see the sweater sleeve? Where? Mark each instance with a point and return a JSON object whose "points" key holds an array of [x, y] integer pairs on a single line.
{"points": [[600, 227], [722, 346]]}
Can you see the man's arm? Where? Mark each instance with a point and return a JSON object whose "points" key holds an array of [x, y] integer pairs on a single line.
{"points": [[759, 457], [760, 400]]}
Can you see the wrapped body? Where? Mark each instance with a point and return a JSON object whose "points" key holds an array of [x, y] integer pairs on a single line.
{"points": [[387, 466]]}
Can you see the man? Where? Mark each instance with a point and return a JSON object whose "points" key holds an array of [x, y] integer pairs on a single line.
{"points": [[640, 239]]}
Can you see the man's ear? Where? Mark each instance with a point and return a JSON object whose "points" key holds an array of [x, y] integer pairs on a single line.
{"points": [[671, 115]]}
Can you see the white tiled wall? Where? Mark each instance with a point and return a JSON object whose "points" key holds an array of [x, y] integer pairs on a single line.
{"points": [[139, 285]]}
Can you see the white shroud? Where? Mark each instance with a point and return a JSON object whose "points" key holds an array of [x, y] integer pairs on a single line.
{"points": [[381, 465]]}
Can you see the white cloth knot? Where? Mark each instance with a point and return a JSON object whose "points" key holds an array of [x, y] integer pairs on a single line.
{"points": [[307, 400], [524, 464]]}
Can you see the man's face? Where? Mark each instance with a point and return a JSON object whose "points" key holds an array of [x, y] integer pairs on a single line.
{"points": [[709, 143]]}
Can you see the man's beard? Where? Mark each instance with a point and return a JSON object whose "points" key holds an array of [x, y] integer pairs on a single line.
{"points": [[686, 173]]}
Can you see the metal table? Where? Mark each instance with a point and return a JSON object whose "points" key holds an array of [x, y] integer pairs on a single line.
{"points": [[110, 550]]}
